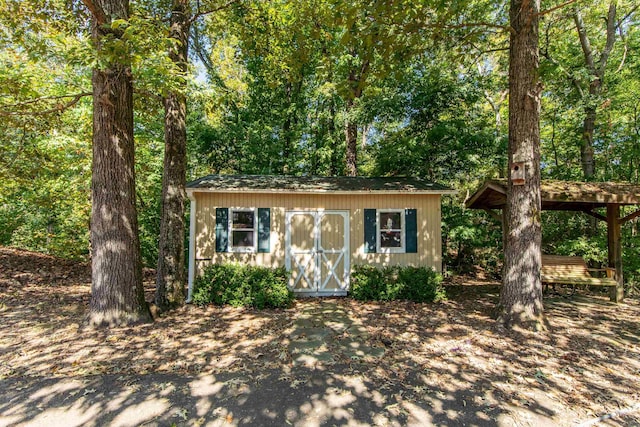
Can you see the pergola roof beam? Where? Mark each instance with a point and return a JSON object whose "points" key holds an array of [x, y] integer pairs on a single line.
{"points": [[630, 217], [596, 215]]}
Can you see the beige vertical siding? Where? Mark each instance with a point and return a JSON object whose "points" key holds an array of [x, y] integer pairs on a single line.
{"points": [[428, 217]]}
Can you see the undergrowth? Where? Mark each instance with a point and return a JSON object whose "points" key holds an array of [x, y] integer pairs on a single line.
{"points": [[419, 284], [243, 286]]}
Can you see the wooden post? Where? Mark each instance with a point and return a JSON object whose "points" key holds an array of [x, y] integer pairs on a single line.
{"points": [[615, 250]]}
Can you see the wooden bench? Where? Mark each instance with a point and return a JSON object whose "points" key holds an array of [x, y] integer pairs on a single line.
{"points": [[572, 270]]}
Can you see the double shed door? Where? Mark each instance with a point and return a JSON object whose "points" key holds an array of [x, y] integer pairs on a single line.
{"points": [[317, 252]]}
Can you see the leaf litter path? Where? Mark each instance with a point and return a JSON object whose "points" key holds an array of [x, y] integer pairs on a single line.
{"points": [[325, 331], [443, 364]]}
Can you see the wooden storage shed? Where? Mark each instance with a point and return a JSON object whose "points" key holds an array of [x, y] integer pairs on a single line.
{"points": [[317, 227]]}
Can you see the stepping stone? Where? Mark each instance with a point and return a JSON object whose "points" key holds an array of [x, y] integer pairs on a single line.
{"points": [[307, 323], [309, 360], [308, 347], [307, 334], [359, 350], [338, 325], [307, 315], [310, 353], [357, 331]]}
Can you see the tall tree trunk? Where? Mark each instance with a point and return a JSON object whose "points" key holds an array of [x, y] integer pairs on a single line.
{"points": [[171, 277], [521, 294], [356, 79], [351, 139], [596, 70], [586, 149], [363, 137], [287, 137], [117, 296], [587, 154], [334, 167]]}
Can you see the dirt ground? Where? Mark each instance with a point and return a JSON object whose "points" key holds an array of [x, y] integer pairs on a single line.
{"points": [[444, 364]]}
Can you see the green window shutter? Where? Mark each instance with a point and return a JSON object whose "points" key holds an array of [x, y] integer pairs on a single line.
{"points": [[264, 230], [222, 229], [411, 231], [370, 220]]}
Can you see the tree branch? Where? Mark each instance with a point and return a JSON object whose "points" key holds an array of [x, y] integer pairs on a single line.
{"points": [[625, 47], [625, 17], [60, 107], [199, 49], [471, 25], [584, 41], [497, 49], [553, 9], [611, 39], [200, 13], [97, 12], [412, 27]]}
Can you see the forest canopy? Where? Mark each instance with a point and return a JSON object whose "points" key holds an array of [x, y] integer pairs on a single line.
{"points": [[320, 88]]}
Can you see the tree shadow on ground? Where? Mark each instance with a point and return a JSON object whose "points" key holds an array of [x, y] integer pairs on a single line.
{"points": [[444, 364], [301, 396]]}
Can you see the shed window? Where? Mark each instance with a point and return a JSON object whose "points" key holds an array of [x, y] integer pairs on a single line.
{"points": [[243, 230], [242, 223], [391, 230]]}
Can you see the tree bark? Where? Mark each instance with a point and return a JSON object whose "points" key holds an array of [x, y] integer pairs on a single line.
{"points": [[117, 295], [586, 149], [287, 136], [596, 71], [334, 167], [351, 138], [521, 294], [171, 276], [356, 79]]}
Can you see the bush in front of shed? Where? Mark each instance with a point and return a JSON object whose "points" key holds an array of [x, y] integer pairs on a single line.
{"points": [[243, 286], [419, 284]]}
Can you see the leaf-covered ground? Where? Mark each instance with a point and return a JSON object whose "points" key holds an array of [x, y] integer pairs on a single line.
{"points": [[450, 359]]}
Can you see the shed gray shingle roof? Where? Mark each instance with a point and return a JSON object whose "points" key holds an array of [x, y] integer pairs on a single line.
{"points": [[315, 184]]}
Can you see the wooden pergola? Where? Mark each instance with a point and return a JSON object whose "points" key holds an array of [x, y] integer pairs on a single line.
{"points": [[586, 197]]}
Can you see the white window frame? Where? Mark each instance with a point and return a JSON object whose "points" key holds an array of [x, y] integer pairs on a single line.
{"points": [[243, 249], [402, 229]]}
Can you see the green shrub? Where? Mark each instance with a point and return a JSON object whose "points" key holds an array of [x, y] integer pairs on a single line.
{"points": [[419, 284], [243, 286], [367, 283]]}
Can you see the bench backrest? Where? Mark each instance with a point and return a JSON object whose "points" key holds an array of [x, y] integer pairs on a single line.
{"points": [[564, 266]]}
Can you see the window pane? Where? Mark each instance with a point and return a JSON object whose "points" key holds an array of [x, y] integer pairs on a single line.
{"points": [[243, 239], [390, 221], [390, 239], [242, 219]]}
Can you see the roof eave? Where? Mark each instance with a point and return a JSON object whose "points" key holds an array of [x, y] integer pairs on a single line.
{"points": [[492, 185], [191, 190]]}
